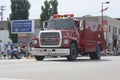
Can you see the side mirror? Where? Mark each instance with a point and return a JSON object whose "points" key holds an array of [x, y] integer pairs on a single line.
{"points": [[45, 23]]}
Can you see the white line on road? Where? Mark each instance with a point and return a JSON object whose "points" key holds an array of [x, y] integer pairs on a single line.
{"points": [[11, 79]]}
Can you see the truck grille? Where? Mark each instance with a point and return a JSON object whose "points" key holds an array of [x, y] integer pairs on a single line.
{"points": [[50, 38]]}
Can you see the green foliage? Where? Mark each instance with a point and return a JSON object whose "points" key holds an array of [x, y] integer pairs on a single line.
{"points": [[19, 11], [13, 37], [54, 5], [49, 9], [45, 15]]}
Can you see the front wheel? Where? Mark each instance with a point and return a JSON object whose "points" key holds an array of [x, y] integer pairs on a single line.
{"points": [[39, 58], [73, 52]]}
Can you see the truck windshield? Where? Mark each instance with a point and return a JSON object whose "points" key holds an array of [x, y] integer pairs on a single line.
{"points": [[60, 24]]}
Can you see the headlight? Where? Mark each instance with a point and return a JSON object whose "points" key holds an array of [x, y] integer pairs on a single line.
{"points": [[66, 41]]}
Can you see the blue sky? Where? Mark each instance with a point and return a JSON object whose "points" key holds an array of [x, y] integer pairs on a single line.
{"points": [[78, 7]]}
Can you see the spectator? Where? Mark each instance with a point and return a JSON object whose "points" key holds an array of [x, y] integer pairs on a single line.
{"points": [[1, 45], [1, 48], [19, 48], [30, 45], [23, 50], [9, 50]]}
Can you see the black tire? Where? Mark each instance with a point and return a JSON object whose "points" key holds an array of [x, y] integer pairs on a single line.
{"points": [[97, 54], [39, 58], [73, 52]]}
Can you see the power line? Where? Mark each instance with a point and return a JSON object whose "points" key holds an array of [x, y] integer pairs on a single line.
{"points": [[2, 8]]}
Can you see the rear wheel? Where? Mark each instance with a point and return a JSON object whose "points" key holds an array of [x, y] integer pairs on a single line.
{"points": [[97, 54], [39, 58], [73, 52]]}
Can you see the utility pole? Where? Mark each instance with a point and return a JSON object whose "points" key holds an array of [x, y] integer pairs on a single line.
{"points": [[2, 8], [102, 18]]}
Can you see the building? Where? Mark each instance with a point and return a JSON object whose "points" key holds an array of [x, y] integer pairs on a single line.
{"points": [[3, 25]]}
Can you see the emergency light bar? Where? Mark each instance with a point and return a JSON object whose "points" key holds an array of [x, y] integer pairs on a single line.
{"points": [[69, 15], [62, 16]]}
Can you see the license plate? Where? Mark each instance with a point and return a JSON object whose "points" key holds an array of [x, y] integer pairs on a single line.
{"points": [[41, 50], [49, 50]]}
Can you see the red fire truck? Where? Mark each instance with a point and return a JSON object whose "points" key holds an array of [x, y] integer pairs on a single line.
{"points": [[66, 36]]}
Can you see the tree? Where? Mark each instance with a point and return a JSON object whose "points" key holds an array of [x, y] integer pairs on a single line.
{"points": [[54, 5], [45, 15], [49, 9], [19, 11]]}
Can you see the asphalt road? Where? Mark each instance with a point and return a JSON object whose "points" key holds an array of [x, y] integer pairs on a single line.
{"points": [[108, 68]]}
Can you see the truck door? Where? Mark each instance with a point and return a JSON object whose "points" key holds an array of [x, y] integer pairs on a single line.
{"points": [[81, 34], [78, 29]]}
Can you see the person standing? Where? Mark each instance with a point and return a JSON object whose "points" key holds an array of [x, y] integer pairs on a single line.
{"points": [[1, 47], [9, 50], [30, 49]]}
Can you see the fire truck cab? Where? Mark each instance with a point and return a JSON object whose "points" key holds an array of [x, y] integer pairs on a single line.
{"points": [[66, 36]]}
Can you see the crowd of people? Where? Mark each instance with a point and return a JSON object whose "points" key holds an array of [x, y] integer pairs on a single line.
{"points": [[14, 51]]}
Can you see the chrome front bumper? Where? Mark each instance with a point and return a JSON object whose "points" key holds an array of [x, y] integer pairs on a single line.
{"points": [[50, 51]]}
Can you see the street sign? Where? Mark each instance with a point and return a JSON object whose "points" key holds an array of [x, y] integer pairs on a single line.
{"points": [[22, 26]]}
